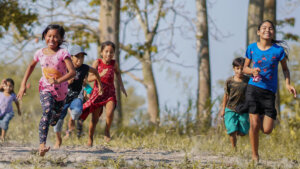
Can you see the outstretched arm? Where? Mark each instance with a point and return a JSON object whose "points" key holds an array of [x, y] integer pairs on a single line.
{"points": [[119, 78], [18, 107], [97, 76], [28, 72], [286, 74]]}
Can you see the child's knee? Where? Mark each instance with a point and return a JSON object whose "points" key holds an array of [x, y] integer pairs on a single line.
{"points": [[254, 126], [267, 131]]}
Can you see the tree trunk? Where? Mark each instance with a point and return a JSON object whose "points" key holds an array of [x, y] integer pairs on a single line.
{"points": [[152, 95], [255, 16], [270, 14], [109, 30], [204, 79]]}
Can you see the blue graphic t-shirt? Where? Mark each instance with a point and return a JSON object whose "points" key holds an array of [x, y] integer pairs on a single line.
{"points": [[267, 61]]}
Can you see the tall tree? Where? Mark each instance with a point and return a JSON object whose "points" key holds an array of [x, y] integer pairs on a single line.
{"points": [[144, 52], [13, 13], [270, 14], [255, 17], [109, 27], [204, 76]]}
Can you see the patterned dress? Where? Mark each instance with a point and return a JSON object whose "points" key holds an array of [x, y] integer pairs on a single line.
{"points": [[108, 88]]}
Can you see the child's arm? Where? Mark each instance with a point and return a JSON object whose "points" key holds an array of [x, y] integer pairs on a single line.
{"points": [[2, 84], [225, 99], [71, 73], [28, 72], [91, 76], [119, 78], [95, 72], [286, 74], [247, 70], [18, 107]]}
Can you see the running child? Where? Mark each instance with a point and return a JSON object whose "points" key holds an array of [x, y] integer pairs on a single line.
{"points": [[74, 101], [236, 120], [106, 67], [260, 94], [57, 69], [7, 96]]}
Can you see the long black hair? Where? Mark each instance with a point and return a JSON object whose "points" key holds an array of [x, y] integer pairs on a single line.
{"points": [[108, 43], [281, 43], [60, 30]]}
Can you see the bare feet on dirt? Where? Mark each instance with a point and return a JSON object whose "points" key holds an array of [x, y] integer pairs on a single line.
{"points": [[43, 150]]}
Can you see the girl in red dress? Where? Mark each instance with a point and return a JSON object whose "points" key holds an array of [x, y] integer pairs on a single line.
{"points": [[106, 67]]}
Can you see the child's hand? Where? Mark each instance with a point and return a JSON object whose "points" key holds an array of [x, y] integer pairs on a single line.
{"points": [[256, 71], [52, 81], [292, 90], [103, 72], [71, 81], [21, 92], [100, 90]]}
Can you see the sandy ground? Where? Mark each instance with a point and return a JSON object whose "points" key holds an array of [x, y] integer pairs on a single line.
{"points": [[14, 156]]}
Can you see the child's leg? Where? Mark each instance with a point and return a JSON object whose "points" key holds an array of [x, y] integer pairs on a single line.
{"points": [[3, 134], [253, 134], [233, 139], [95, 117], [75, 112], [110, 107], [58, 140], [47, 102], [4, 124], [267, 124], [58, 127]]}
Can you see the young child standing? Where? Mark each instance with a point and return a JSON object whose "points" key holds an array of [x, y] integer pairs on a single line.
{"points": [[7, 96], [57, 69], [106, 67], [73, 101], [236, 122], [260, 94]]}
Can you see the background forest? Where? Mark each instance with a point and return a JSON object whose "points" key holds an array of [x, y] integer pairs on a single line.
{"points": [[172, 63]]}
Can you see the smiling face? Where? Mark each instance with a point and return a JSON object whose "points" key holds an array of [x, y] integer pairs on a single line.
{"points": [[78, 60], [266, 31], [53, 39], [238, 71], [8, 87], [107, 53]]}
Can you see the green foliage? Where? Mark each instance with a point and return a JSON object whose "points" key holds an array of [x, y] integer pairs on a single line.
{"points": [[13, 13]]}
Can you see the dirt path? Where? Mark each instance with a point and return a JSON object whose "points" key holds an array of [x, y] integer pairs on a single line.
{"points": [[12, 156]]}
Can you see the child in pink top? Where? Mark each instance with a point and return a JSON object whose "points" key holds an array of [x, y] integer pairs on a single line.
{"points": [[57, 69]]}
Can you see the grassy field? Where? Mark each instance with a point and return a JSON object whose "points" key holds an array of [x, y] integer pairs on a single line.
{"points": [[185, 147]]}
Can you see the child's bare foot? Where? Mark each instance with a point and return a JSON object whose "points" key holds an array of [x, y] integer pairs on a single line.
{"points": [[255, 159], [107, 136], [107, 139], [43, 150], [58, 143], [68, 133], [90, 142]]}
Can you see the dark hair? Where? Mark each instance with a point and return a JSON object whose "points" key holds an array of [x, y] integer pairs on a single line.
{"points": [[108, 43], [60, 30], [238, 62], [281, 43], [10, 81]]}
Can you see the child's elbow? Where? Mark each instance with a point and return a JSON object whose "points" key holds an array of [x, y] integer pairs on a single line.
{"points": [[72, 73]]}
